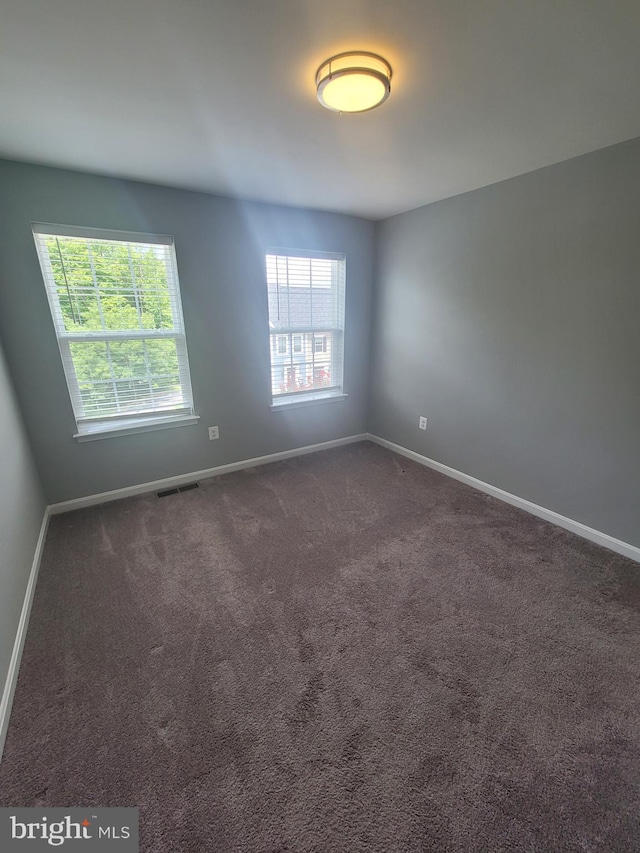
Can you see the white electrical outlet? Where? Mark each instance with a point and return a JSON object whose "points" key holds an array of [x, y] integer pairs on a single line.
{"points": [[214, 433], [423, 423]]}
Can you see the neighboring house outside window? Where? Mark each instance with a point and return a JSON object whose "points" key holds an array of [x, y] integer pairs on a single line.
{"points": [[306, 293], [320, 343], [117, 313]]}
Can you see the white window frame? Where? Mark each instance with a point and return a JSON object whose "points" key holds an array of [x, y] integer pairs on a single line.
{"points": [[295, 399], [111, 425]]}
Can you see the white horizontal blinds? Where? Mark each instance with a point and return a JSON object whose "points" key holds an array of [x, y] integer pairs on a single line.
{"points": [[306, 309], [116, 309]]}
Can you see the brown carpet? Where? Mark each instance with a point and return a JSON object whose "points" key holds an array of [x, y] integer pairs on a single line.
{"points": [[341, 652]]}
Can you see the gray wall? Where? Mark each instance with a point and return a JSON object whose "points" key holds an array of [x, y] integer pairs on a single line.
{"points": [[510, 317], [220, 247], [22, 508]]}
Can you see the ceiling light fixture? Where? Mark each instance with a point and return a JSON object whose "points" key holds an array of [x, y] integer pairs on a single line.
{"points": [[353, 82]]}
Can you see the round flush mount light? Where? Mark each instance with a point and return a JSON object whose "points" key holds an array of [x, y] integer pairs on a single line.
{"points": [[353, 82]]}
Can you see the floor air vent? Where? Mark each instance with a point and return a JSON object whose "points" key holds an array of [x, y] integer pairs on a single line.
{"points": [[186, 488]]}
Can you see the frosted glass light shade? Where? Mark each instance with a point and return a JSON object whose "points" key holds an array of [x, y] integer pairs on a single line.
{"points": [[353, 82]]}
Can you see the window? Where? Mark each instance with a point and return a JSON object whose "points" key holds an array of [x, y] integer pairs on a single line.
{"points": [[306, 308], [115, 303]]}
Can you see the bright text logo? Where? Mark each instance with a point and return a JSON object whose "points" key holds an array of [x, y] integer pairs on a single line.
{"points": [[112, 829], [55, 833]]}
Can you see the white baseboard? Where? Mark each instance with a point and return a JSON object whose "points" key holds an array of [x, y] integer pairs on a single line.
{"points": [[6, 700], [577, 527], [183, 479]]}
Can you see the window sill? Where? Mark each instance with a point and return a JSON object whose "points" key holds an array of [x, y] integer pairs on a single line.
{"points": [[280, 405], [133, 426]]}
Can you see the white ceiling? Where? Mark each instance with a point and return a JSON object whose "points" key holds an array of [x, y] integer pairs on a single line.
{"points": [[219, 94]]}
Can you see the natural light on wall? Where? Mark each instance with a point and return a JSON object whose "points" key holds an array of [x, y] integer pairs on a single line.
{"points": [[353, 82]]}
